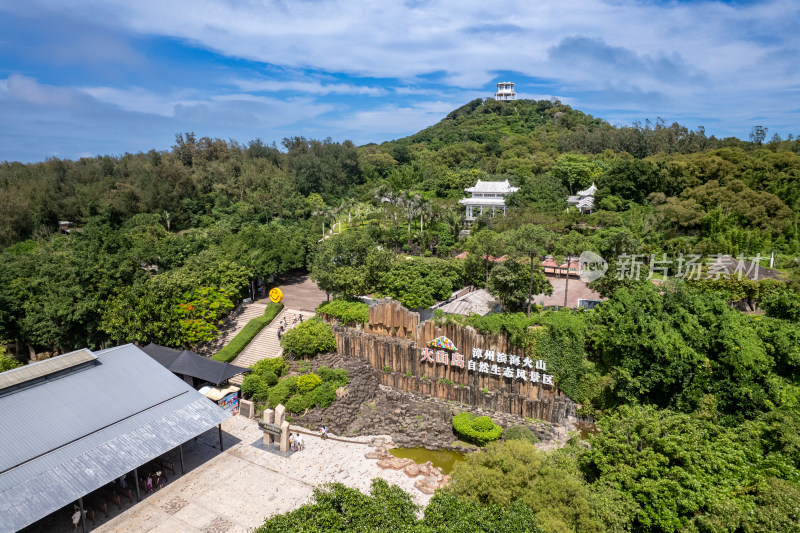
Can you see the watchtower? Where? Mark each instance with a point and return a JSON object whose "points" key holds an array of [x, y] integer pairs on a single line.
{"points": [[505, 91]]}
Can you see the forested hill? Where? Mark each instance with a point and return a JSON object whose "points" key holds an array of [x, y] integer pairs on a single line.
{"points": [[522, 139], [494, 126]]}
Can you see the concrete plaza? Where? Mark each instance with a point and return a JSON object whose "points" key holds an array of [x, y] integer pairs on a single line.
{"points": [[236, 490]]}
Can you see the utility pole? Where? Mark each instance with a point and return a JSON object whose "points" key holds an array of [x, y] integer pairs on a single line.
{"points": [[566, 282]]}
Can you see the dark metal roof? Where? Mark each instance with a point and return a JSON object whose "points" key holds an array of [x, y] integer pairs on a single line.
{"points": [[190, 364], [66, 437]]}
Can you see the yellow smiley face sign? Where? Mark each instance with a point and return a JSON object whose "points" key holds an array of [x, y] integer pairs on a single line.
{"points": [[275, 295]]}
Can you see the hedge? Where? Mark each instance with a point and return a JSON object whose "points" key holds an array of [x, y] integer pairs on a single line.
{"points": [[346, 310], [229, 352], [477, 430]]}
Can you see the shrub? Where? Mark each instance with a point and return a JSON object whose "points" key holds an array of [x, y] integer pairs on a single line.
{"points": [[335, 376], [346, 310], [257, 387], [276, 365], [298, 403], [294, 392], [281, 392], [324, 395], [7, 362], [521, 433], [479, 431], [229, 352], [483, 424], [308, 382], [309, 338]]}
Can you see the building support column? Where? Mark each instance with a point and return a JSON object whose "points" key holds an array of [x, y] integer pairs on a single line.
{"points": [[136, 482], [219, 427], [83, 514], [180, 451]]}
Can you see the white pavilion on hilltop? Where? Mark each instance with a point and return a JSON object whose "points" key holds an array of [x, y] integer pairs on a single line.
{"points": [[487, 196], [584, 200], [505, 91]]}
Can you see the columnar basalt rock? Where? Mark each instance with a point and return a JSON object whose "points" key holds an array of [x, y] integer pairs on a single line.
{"points": [[398, 362]]}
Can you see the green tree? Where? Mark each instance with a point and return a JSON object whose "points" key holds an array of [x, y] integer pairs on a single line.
{"points": [[420, 282], [575, 171], [515, 471], [509, 282], [482, 246], [532, 241]]}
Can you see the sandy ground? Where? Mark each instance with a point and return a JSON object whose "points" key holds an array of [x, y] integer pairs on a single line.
{"points": [[236, 490]]}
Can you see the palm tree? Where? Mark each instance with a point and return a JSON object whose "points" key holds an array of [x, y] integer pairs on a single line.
{"points": [[425, 209]]}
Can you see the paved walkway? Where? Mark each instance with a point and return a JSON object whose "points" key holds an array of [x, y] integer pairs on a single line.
{"points": [[265, 345], [237, 490], [299, 292]]}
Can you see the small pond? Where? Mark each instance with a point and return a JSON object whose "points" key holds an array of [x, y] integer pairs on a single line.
{"points": [[586, 429], [444, 459]]}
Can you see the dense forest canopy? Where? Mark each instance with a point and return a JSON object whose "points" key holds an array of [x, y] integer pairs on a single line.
{"points": [[149, 230], [697, 400]]}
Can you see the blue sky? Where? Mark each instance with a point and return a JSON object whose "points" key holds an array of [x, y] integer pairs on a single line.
{"points": [[82, 77]]}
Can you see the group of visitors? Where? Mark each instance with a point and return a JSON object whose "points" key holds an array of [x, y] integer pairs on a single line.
{"points": [[154, 482], [284, 325], [296, 442]]}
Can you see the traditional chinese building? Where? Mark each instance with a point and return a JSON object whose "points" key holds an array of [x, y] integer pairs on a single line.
{"points": [[505, 91], [487, 197], [584, 200]]}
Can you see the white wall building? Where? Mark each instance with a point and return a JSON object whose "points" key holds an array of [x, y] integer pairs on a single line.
{"points": [[584, 200], [487, 197], [505, 91]]}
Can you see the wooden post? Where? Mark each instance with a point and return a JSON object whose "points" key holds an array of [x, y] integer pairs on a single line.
{"points": [[136, 482], [83, 514], [180, 450]]}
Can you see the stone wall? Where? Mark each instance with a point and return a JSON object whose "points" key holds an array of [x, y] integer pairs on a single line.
{"points": [[398, 361]]}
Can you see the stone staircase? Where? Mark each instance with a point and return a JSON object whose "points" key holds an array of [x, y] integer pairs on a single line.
{"points": [[265, 344], [233, 325]]}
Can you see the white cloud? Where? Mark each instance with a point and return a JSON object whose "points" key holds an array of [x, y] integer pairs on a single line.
{"points": [[307, 87], [734, 61]]}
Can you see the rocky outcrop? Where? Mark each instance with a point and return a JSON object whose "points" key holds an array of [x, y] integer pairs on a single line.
{"points": [[369, 408]]}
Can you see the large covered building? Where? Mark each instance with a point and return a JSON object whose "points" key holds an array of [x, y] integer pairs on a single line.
{"points": [[487, 197], [74, 423]]}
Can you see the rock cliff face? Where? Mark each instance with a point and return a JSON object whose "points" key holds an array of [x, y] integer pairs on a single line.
{"points": [[368, 408]]}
